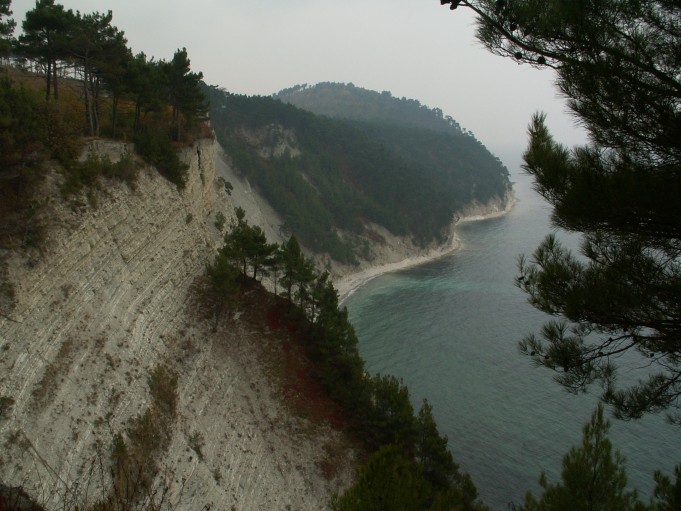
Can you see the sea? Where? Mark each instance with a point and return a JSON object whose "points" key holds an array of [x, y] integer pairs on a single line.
{"points": [[450, 330]]}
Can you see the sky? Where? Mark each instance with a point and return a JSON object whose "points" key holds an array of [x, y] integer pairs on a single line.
{"points": [[416, 49]]}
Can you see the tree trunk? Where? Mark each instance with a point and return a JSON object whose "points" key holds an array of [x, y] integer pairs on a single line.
{"points": [[138, 112], [95, 103], [114, 111], [48, 79], [88, 99], [55, 87]]}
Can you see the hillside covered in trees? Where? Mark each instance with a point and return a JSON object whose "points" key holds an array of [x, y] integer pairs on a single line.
{"points": [[70, 75], [329, 177]]}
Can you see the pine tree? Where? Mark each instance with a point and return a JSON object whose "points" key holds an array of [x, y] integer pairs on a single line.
{"points": [[391, 416], [184, 92], [593, 477], [224, 286], [667, 495], [6, 27], [388, 482], [236, 242], [258, 251], [97, 48], [297, 270], [432, 451], [145, 85], [617, 63], [45, 28]]}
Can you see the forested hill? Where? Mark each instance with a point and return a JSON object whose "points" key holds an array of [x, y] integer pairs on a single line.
{"points": [[328, 178], [346, 101]]}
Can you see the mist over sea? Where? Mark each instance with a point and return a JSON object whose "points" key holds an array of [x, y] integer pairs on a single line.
{"points": [[450, 329]]}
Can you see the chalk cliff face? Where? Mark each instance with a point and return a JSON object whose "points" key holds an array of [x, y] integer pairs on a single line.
{"points": [[109, 300]]}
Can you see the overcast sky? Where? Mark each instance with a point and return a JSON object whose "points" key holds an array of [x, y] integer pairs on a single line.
{"points": [[412, 48]]}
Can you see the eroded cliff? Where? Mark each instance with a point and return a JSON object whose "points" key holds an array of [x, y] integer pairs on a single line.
{"points": [[109, 300]]}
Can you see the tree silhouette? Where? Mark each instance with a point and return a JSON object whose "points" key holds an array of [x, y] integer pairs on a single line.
{"points": [[6, 27], [593, 476], [183, 91], [45, 28], [617, 64], [97, 48]]}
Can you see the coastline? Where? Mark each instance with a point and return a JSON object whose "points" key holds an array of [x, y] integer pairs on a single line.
{"points": [[348, 284]]}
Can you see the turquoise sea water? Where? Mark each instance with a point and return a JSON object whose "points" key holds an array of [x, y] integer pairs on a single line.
{"points": [[450, 328]]}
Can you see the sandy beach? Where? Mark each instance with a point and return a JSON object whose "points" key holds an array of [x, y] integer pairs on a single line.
{"points": [[348, 284]]}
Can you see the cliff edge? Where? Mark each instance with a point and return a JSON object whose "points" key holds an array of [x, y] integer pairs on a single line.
{"points": [[109, 301]]}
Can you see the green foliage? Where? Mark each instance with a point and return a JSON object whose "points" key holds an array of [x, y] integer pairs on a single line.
{"points": [[220, 221], [593, 477], [259, 252], [387, 482], [143, 82], [346, 101], [184, 91], [390, 416], [412, 456], [62, 130], [20, 220], [323, 175], [246, 245], [6, 27], [45, 29], [333, 347], [97, 49], [22, 128], [229, 187], [387, 421], [223, 286], [157, 150], [454, 167], [432, 452], [223, 277], [296, 269], [617, 64], [392, 481], [54, 37], [32, 130], [667, 495], [85, 173]]}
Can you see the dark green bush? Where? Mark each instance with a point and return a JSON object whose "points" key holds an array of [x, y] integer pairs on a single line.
{"points": [[157, 149], [85, 173]]}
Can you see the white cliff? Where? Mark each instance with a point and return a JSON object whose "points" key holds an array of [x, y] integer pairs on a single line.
{"points": [[109, 299]]}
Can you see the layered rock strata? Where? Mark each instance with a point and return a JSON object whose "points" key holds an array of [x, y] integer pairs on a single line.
{"points": [[108, 301]]}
